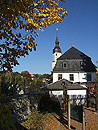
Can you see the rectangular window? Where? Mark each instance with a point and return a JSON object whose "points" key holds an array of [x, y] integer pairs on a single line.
{"points": [[71, 76], [89, 77], [59, 76]]}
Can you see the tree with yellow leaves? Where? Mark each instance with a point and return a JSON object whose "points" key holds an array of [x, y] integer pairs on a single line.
{"points": [[29, 16]]}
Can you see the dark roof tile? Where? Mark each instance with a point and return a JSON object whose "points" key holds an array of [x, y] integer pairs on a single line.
{"points": [[72, 53], [58, 85], [75, 61]]}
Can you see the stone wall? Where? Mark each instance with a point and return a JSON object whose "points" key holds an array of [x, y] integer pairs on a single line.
{"points": [[23, 105]]}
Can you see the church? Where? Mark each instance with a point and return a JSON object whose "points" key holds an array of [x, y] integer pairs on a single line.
{"points": [[73, 65], [73, 68]]}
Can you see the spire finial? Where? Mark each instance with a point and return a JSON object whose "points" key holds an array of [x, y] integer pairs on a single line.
{"points": [[57, 41], [57, 32]]}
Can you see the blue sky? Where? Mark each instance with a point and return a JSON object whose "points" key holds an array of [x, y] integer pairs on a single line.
{"points": [[80, 28]]}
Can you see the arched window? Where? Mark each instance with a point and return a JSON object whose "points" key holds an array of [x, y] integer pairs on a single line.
{"points": [[64, 65]]}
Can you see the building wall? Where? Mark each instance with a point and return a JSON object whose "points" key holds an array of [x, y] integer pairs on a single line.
{"points": [[69, 92], [78, 77], [55, 56], [73, 94]]}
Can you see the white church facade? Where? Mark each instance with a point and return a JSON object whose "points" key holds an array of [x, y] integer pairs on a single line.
{"points": [[73, 65], [74, 68]]}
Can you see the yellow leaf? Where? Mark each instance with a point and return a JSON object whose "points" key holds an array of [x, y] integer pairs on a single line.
{"points": [[26, 14], [35, 44], [27, 36], [35, 4], [37, 34], [39, 29], [13, 34], [29, 46], [42, 30], [29, 20]]}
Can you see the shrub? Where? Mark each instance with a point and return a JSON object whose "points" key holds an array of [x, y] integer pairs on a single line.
{"points": [[6, 122], [48, 104]]}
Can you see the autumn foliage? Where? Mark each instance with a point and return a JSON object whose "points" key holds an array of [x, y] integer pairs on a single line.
{"points": [[20, 20]]}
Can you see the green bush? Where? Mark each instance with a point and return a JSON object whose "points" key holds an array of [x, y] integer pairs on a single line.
{"points": [[8, 89], [6, 122], [48, 104]]}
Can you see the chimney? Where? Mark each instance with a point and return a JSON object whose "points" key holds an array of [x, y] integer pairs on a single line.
{"points": [[72, 45]]}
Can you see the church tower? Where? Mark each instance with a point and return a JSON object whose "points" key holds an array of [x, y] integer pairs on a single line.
{"points": [[56, 51]]}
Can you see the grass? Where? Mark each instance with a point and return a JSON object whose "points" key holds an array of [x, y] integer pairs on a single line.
{"points": [[36, 121], [44, 118]]}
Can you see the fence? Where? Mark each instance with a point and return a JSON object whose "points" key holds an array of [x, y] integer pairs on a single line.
{"points": [[87, 101]]}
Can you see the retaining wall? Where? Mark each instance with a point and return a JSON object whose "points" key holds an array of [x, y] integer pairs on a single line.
{"points": [[23, 105]]}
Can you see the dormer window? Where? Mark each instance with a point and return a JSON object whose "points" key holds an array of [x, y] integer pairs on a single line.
{"points": [[82, 63], [64, 65]]}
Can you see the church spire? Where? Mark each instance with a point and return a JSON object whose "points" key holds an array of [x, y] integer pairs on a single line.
{"points": [[56, 51], [57, 41], [57, 48]]}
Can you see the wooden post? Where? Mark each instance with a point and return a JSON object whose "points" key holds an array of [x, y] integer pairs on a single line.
{"points": [[83, 118], [69, 114], [66, 105], [64, 97], [96, 99]]}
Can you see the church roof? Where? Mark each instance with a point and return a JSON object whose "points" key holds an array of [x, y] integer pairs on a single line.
{"points": [[75, 61], [73, 53], [57, 49]]}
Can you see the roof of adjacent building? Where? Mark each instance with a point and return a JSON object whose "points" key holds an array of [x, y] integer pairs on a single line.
{"points": [[58, 85]]}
